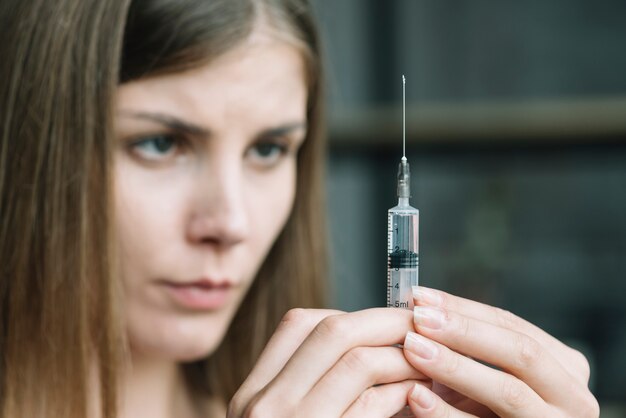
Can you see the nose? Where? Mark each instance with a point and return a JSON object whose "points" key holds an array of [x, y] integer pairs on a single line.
{"points": [[219, 218]]}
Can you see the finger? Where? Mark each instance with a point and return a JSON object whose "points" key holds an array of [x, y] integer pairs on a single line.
{"points": [[294, 327], [501, 392], [357, 370], [515, 352], [381, 401], [570, 359], [483, 312], [425, 404], [460, 401], [329, 341]]}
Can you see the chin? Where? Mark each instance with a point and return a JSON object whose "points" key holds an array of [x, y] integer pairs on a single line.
{"points": [[192, 353], [177, 339]]}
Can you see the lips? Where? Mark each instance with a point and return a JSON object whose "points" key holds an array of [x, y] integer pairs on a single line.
{"points": [[202, 294]]}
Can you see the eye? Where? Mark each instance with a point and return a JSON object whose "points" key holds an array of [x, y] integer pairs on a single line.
{"points": [[267, 153], [156, 147]]}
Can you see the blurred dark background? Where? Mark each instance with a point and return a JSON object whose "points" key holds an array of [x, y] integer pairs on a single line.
{"points": [[516, 135]]}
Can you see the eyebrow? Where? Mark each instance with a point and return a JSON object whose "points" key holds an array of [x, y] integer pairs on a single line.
{"points": [[180, 125], [171, 122], [282, 130]]}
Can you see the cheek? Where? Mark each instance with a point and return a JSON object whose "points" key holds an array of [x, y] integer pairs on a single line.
{"points": [[271, 203], [148, 215]]}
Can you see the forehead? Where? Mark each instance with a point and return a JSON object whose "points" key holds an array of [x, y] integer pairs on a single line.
{"points": [[260, 80]]}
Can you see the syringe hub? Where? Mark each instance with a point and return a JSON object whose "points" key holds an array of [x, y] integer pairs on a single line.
{"points": [[404, 179]]}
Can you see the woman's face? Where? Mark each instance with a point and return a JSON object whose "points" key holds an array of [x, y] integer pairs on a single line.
{"points": [[205, 173]]}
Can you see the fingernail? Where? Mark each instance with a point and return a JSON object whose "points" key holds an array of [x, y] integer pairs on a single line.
{"points": [[429, 317], [426, 296], [422, 397], [419, 346]]}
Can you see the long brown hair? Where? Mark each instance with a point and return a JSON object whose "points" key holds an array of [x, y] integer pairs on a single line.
{"points": [[57, 303], [61, 63]]}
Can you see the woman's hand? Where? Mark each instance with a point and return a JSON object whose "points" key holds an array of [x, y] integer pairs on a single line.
{"points": [[322, 363], [535, 375]]}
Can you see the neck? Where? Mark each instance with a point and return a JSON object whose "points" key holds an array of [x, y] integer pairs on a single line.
{"points": [[154, 388]]}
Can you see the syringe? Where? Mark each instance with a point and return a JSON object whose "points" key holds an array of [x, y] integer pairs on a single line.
{"points": [[402, 234]]}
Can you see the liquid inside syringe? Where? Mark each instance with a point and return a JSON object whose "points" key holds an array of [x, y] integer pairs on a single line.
{"points": [[402, 239]]}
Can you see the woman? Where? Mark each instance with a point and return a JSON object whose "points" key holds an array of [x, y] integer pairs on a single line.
{"points": [[160, 197]]}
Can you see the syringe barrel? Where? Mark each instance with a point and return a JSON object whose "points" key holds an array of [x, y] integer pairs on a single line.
{"points": [[402, 255]]}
